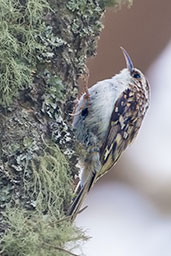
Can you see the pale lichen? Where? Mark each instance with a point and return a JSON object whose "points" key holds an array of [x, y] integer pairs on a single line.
{"points": [[44, 45]]}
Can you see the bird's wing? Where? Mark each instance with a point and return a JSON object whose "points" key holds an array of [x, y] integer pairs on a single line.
{"points": [[124, 125]]}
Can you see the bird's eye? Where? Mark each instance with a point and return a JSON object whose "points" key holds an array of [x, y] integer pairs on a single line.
{"points": [[136, 75]]}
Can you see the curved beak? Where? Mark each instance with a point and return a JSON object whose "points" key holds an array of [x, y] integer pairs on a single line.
{"points": [[128, 60]]}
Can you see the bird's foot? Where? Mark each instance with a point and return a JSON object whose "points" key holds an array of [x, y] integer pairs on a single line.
{"points": [[86, 95]]}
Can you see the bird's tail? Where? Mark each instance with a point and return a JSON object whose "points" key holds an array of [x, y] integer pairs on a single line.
{"points": [[81, 193]]}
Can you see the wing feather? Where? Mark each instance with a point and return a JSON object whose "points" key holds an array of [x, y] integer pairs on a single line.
{"points": [[124, 125]]}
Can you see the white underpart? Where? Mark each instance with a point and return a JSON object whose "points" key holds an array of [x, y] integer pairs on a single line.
{"points": [[108, 91]]}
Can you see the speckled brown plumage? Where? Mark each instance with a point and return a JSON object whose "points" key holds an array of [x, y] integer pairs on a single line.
{"points": [[106, 122], [125, 122]]}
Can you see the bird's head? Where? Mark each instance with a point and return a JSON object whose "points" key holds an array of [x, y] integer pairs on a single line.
{"points": [[134, 75]]}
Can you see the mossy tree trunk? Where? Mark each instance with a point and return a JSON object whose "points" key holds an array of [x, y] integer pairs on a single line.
{"points": [[43, 48]]}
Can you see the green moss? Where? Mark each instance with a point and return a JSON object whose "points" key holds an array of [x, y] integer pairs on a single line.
{"points": [[37, 235], [44, 45], [27, 38], [51, 185], [44, 231], [20, 26]]}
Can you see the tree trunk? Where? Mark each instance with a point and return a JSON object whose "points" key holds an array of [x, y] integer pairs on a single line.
{"points": [[43, 48]]}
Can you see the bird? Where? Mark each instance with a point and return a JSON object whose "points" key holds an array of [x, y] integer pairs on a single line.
{"points": [[107, 118]]}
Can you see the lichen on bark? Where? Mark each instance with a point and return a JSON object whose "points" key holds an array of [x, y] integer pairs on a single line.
{"points": [[43, 48]]}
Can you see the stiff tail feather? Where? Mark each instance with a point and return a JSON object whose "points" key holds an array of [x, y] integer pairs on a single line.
{"points": [[81, 194]]}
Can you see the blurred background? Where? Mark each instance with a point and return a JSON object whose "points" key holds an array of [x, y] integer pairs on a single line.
{"points": [[129, 209]]}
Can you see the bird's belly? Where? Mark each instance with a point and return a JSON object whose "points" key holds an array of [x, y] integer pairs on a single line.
{"points": [[100, 112], [92, 123]]}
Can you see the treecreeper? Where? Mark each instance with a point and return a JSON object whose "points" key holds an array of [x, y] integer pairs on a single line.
{"points": [[107, 118]]}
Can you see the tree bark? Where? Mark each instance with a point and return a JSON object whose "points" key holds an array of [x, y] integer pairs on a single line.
{"points": [[44, 47]]}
